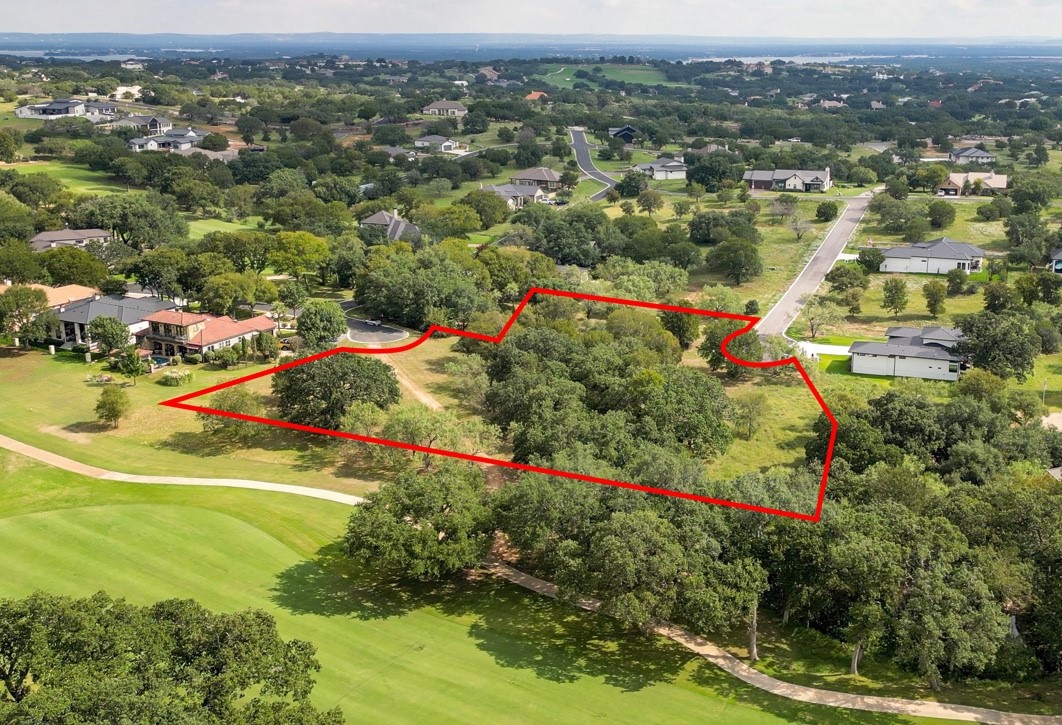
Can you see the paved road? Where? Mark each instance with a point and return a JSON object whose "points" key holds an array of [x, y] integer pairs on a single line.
{"points": [[695, 643], [582, 155], [781, 316]]}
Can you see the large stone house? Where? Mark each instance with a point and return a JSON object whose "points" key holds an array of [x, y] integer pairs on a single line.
{"points": [[454, 109], [910, 353], [172, 333], [67, 238], [938, 256], [789, 180], [543, 178], [972, 182]]}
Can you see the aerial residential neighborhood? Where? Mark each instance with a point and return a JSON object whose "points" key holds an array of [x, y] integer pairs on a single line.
{"points": [[480, 373]]}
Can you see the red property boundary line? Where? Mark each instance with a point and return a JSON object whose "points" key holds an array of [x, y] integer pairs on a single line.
{"points": [[180, 401]]}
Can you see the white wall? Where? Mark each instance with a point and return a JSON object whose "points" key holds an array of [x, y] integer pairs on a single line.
{"points": [[894, 366], [920, 265]]}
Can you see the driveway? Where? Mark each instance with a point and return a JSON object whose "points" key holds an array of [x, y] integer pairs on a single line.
{"points": [[582, 147], [361, 332], [781, 316]]}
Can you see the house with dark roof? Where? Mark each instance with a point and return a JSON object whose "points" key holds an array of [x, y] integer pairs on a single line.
{"points": [[62, 107], [74, 318], [971, 155], [148, 125], [445, 108], [925, 353], [395, 227], [1055, 265], [172, 333], [543, 178], [627, 133], [517, 196], [938, 256], [789, 179], [663, 169], [67, 238]]}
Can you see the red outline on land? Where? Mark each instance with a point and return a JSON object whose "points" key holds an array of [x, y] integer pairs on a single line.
{"points": [[179, 402]]}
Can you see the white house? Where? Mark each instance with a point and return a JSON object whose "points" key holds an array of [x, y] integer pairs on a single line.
{"points": [[971, 155], [440, 143], [663, 169], [1055, 265], [939, 256], [789, 179], [909, 353], [52, 109]]}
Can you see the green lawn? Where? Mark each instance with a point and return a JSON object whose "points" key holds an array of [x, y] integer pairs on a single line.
{"points": [[76, 178], [967, 228], [45, 402], [455, 652], [199, 228]]}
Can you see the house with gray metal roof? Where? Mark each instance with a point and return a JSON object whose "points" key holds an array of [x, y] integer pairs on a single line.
{"points": [[445, 108], [75, 318], [910, 352], [971, 155], [938, 256], [517, 196], [67, 238], [543, 178]]}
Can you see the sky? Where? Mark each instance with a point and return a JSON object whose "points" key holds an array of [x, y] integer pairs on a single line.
{"points": [[714, 18]]}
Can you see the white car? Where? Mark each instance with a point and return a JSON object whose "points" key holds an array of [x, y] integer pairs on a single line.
{"points": [[373, 323]]}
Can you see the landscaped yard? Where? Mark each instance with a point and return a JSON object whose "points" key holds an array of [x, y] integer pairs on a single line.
{"points": [[458, 651], [45, 401], [199, 228]]}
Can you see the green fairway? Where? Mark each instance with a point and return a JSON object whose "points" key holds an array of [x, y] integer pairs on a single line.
{"points": [[199, 228], [464, 651], [78, 179]]}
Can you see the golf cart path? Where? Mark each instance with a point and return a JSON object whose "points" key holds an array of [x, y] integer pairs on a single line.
{"points": [[695, 643], [67, 464]]}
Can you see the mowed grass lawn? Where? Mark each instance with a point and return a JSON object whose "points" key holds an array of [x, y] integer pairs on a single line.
{"points": [[45, 402], [966, 228], [79, 179], [462, 651], [199, 228]]}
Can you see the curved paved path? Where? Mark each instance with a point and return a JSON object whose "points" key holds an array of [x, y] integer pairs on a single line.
{"points": [[582, 147], [68, 464], [781, 316], [690, 641]]}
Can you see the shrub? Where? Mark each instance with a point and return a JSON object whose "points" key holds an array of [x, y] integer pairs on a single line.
{"points": [[827, 211], [175, 360], [193, 358]]}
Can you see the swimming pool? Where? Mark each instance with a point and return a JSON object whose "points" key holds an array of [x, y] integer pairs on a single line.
{"points": [[160, 361]]}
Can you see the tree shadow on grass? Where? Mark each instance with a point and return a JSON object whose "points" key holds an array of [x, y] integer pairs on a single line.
{"points": [[198, 443], [334, 585], [725, 685], [562, 644]]}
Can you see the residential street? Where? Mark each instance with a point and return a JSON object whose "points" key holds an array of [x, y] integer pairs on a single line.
{"points": [[778, 319], [582, 155]]}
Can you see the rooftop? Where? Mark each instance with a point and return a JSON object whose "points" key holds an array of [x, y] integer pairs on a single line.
{"points": [[942, 248], [59, 296]]}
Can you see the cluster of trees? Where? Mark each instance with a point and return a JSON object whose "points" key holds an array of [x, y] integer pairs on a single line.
{"points": [[104, 659]]}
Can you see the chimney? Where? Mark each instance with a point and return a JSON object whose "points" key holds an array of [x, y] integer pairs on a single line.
{"points": [[396, 212]]}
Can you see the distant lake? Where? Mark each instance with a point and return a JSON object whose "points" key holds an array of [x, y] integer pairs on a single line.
{"points": [[841, 58], [63, 56]]}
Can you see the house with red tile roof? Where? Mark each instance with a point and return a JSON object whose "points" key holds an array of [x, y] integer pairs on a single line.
{"points": [[172, 333]]}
